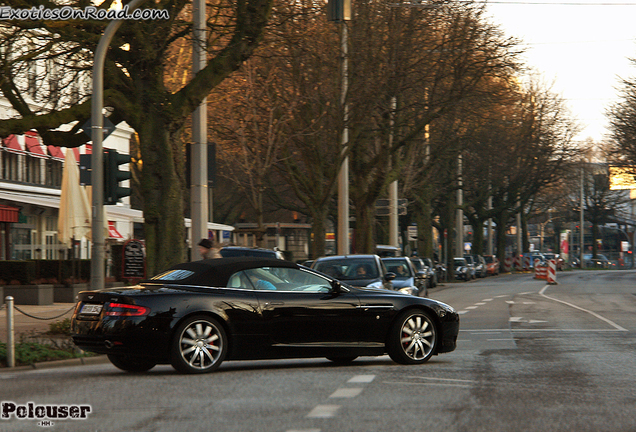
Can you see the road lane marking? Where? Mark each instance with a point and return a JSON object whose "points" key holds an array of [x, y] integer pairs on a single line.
{"points": [[362, 379], [323, 411], [471, 307], [302, 430], [480, 304], [436, 384], [444, 379], [346, 392], [594, 314], [462, 312]]}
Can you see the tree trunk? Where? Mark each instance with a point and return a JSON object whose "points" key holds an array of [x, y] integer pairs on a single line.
{"points": [[163, 191], [318, 230], [365, 229]]}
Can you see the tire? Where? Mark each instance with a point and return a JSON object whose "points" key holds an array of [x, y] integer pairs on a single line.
{"points": [[342, 360], [199, 345], [132, 364], [413, 338]]}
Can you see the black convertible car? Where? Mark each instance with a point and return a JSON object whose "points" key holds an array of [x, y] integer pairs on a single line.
{"points": [[198, 314]]}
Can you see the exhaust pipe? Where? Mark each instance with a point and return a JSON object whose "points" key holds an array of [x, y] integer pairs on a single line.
{"points": [[108, 344]]}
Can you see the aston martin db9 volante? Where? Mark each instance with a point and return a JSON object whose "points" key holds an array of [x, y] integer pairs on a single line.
{"points": [[198, 314]]}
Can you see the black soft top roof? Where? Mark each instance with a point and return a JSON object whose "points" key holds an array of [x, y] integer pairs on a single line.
{"points": [[217, 271]]}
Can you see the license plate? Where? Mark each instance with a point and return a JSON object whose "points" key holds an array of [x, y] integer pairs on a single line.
{"points": [[91, 309]]}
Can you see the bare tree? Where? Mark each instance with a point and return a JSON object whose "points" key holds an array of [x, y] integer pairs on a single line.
{"points": [[141, 89]]}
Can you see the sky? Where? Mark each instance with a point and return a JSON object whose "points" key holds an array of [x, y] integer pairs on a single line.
{"points": [[581, 48]]}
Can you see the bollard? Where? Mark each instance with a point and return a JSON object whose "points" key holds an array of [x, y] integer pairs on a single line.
{"points": [[10, 333], [551, 279]]}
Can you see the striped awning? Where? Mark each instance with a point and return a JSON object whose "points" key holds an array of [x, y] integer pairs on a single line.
{"points": [[12, 144], [8, 214], [32, 144]]}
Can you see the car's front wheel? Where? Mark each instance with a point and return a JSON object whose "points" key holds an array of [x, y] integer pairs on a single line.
{"points": [[199, 345], [413, 338], [131, 363]]}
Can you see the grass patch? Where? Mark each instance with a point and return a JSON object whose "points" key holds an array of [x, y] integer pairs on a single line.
{"points": [[55, 344]]}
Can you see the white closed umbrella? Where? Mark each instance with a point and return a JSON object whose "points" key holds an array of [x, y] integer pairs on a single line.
{"points": [[74, 220]]}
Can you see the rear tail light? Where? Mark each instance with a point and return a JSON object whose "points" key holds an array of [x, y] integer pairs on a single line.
{"points": [[121, 309]]}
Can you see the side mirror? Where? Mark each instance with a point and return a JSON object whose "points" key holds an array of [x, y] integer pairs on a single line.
{"points": [[337, 287], [389, 276]]}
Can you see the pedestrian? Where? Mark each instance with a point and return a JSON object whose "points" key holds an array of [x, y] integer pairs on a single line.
{"points": [[207, 249]]}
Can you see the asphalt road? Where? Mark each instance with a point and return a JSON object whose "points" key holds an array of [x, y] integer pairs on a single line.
{"points": [[530, 357]]}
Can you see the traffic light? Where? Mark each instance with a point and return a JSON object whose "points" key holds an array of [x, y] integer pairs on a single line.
{"points": [[113, 175]]}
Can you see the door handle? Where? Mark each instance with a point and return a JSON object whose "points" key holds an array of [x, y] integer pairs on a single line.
{"points": [[274, 303]]}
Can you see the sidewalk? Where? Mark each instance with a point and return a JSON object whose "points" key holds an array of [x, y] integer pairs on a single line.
{"points": [[27, 324]]}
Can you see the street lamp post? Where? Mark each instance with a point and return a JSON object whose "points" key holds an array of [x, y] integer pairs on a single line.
{"points": [[97, 176], [340, 11]]}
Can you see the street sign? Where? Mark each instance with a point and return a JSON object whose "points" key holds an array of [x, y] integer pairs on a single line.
{"points": [[411, 232], [383, 206], [386, 211], [107, 128]]}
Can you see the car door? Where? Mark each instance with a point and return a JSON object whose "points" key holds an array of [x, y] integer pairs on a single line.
{"points": [[301, 308]]}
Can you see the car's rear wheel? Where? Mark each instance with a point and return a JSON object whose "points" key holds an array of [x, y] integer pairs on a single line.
{"points": [[413, 338], [199, 345], [131, 363]]}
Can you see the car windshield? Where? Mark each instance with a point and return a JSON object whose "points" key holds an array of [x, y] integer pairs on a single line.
{"points": [[488, 259], [399, 266], [458, 262], [469, 259], [348, 269], [418, 264]]}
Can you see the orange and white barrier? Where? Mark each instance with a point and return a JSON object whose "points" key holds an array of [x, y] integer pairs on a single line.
{"points": [[540, 272], [507, 265], [552, 278], [526, 264]]}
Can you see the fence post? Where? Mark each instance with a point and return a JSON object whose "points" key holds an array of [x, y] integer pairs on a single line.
{"points": [[10, 333]]}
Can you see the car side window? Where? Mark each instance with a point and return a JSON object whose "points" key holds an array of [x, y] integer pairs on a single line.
{"points": [[240, 280], [287, 279]]}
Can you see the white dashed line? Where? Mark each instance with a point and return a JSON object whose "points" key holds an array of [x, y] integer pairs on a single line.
{"points": [[346, 392], [362, 379], [323, 411]]}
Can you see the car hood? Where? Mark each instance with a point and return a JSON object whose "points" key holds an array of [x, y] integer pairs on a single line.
{"points": [[360, 282], [403, 283]]}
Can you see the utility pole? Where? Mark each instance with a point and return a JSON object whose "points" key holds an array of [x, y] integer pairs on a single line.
{"points": [[339, 11], [98, 246], [393, 187], [199, 150], [582, 231], [459, 247]]}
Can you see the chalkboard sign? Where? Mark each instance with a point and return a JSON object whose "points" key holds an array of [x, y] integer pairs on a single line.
{"points": [[134, 260]]}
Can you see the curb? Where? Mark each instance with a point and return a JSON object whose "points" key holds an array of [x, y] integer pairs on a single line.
{"points": [[57, 364]]}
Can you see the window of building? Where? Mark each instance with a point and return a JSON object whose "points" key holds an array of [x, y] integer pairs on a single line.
{"points": [[53, 175], [11, 167]]}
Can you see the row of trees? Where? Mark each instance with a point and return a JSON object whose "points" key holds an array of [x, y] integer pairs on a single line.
{"points": [[428, 87]]}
